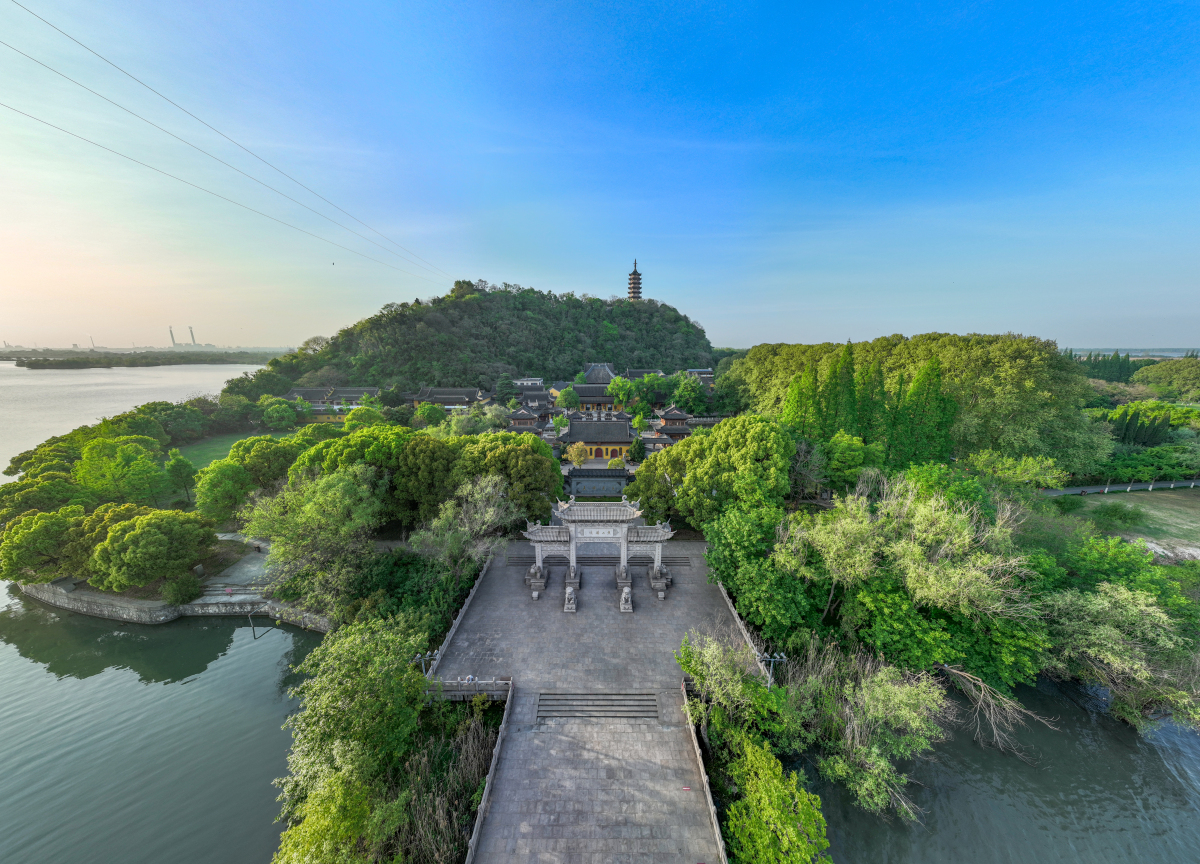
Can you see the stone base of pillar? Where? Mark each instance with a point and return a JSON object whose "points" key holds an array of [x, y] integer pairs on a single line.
{"points": [[624, 580], [573, 577]]}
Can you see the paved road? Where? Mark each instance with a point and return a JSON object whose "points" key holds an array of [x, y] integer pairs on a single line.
{"points": [[574, 790], [1122, 487]]}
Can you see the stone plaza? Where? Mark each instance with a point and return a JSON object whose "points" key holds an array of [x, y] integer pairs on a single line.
{"points": [[598, 764]]}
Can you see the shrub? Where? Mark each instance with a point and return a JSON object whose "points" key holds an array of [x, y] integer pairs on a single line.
{"points": [[183, 589], [616, 463], [1117, 516], [1068, 503]]}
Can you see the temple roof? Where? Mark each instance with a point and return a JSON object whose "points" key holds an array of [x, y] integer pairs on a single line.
{"points": [[597, 511], [671, 412], [548, 533], [650, 533], [600, 431], [522, 414], [591, 391], [599, 373]]}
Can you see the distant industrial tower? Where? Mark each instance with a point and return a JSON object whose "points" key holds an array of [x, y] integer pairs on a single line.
{"points": [[193, 334], [635, 283], [171, 330]]}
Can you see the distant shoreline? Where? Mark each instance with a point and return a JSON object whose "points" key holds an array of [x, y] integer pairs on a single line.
{"points": [[146, 358]]}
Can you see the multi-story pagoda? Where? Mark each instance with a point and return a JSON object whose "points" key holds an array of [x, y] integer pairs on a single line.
{"points": [[635, 283]]}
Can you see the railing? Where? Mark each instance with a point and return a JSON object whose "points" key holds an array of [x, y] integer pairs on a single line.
{"points": [[462, 613], [712, 808], [466, 689], [745, 633], [489, 781]]}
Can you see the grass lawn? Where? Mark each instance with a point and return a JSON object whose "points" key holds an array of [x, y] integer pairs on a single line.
{"points": [[209, 450], [1173, 515]]}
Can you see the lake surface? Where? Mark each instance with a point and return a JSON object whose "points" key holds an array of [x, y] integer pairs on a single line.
{"points": [[132, 743], [1095, 793], [38, 403]]}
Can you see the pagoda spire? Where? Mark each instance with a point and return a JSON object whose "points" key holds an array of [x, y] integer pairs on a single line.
{"points": [[635, 283]]}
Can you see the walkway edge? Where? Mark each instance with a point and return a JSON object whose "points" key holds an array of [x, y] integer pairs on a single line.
{"points": [[489, 781], [712, 808], [158, 612], [462, 613], [742, 627]]}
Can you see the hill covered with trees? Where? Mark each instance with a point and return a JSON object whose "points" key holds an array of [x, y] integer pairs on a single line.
{"points": [[479, 331]]}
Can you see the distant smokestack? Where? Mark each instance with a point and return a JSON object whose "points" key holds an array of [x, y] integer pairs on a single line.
{"points": [[93, 340], [193, 334], [172, 332]]}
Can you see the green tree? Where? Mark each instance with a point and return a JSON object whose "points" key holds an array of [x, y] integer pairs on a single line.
{"points": [[637, 451], [621, 389], [532, 477], [744, 458], [121, 469], [567, 399], [159, 545], [689, 394], [277, 414], [505, 388], [320, 529], [801, 407], [430, 414], [423, 478], [33, 547], [839, 399], [221, 489], [923, 420], [776, 821], [266, 459], [577, 454], [252, 385], [847, 456], [363, 416], [361, 701], [560, 422], [181, 473], [84, 537]]}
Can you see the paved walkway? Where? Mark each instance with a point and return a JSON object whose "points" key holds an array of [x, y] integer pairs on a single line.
{"points": [[585, 790], [1122, 487]]}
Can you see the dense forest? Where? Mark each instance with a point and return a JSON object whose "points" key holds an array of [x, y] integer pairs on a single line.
{"points": [[1173, 379], [1015, 395], [479, 331]]}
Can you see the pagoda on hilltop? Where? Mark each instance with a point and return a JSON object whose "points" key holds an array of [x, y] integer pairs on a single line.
{"points": [[635, 283]]}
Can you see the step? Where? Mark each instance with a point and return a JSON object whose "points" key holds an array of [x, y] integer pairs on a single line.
{"points": [[598, 705]]}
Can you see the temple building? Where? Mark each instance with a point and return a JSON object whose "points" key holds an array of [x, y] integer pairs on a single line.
{"points": [[604, 439], [447, 397], [635, 283], [674, 423], [331, 404]]}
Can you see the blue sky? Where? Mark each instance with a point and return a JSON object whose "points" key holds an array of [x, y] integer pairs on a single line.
{"points": [[782, 172]]}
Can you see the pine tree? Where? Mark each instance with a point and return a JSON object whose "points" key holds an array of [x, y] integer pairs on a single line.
{"points": [[839, 408], [921, 432], [872, 404], [801, 403]]}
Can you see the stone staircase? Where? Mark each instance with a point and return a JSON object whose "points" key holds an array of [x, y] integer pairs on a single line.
{"points": [[605, 706]]}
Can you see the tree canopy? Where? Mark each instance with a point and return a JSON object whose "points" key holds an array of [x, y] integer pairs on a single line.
{"points": [[473, 338]]}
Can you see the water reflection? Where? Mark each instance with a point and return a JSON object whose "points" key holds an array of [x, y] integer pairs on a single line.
{"points": [[1096, 792], [80, 646]]}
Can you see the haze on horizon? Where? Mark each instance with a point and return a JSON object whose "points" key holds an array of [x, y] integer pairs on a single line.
{"points": [[781, 172]]}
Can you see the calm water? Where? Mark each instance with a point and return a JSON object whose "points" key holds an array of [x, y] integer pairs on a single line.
{"points": [[38, 403], [128, 743], [1096, 793]]}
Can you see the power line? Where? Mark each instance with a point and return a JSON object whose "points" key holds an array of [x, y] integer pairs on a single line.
{"points": [[212, 156], [227, 138], [209, 191]]}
